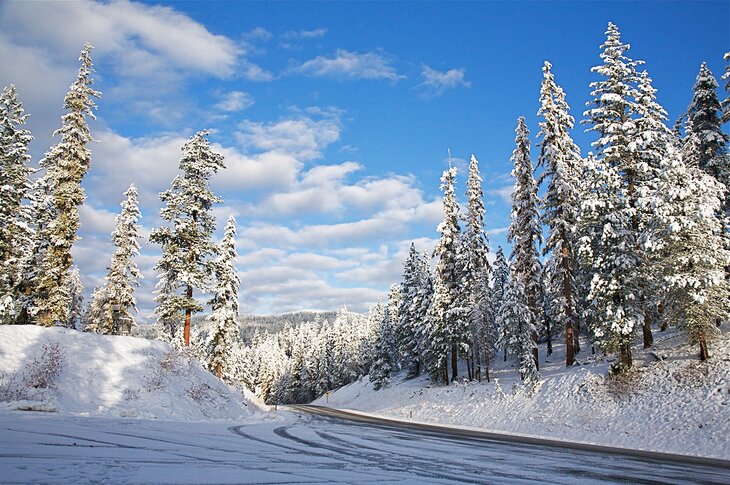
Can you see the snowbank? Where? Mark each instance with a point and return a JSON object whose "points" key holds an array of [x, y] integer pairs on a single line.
{"points": [[62, 370], [676, 405]]}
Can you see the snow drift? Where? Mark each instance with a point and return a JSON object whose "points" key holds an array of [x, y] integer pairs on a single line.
{"points": [[675, 405], [62, 370]]}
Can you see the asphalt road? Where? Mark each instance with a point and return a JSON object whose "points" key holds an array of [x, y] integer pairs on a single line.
{"points": [[467, 456]]}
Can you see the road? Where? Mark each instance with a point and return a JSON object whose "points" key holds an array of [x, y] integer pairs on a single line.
{"points": [[305, 445]]}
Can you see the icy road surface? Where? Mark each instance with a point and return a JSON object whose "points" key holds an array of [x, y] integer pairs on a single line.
{"points": [[300, 448]]}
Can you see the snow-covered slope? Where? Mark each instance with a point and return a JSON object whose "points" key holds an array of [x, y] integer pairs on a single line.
{"points": [[57, 369], [676, 405]]}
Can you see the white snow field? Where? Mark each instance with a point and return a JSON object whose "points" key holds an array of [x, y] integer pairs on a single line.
{"points": [[84, 408], [85, 374], [675, 405]]}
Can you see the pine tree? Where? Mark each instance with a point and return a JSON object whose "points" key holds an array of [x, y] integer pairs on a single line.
{"points": [[560, 159], [76, 303], [705, 115], [15, 232], [612, 114], [688, 239], [500, 278], [384, 364], [224, 305], [187, 246], [477, 272], [524, 230], [98, 312], [42, 212], [516, 317], [408, 314], [726, 77], [424, 328], [67, 163], [123, 273], [607, 249], [447, 283]]}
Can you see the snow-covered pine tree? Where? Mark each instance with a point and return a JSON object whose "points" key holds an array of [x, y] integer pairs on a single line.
{"points": [[16, 236], [406, 337], [42, 212], [187, 246], [76, 303], [500, 278], [421, 307], [705, 115], [384, 359], [612, 115], [516, 317], [607, 248], [224, 305], [98, 312], [123, 273], [689, 241], [447, 285], [476, 246], [524, 231], [726, 77], [560, 159], [67, 163]]}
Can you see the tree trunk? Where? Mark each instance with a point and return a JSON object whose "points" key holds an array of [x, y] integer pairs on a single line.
{"points": [[454, 367], [569, 352], [445, 371], [646, 329], [218, 371], [478, 365], [535, 354], [704, 353], [188, 316], [625, 356]]}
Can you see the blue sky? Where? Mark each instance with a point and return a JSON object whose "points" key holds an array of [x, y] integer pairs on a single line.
{"points": [[335, 118]]}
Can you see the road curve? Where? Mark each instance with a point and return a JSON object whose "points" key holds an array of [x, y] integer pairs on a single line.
{"points": [[507, 438]]}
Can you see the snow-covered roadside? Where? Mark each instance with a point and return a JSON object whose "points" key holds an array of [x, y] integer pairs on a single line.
{"points": [[62, 370], [676, 405]]}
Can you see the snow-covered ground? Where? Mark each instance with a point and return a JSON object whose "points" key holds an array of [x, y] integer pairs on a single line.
{"points": [[676, 405], [83, 374]]}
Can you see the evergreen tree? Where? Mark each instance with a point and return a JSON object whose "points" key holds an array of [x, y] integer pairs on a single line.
{"points": [[66, 163], [477, 272], [384, 364], [76, 303], [607, 249], [424, 330], [516, 317], [408, 314], [443, 313], [15, 232], [726, 77], [42, 212], [705, 114], [688, 238], [612, 115], [224, 305], [560, 159], [500, 278], [524, 230], [123, 273], [98, 312], [187, 246]]}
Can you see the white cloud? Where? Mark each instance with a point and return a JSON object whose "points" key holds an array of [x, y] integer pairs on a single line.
{"points": [[302, 137], [235, 101], [351, 65], [258, 34], [305, 34], [122, 29], [504, 193], [436, 82]]}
